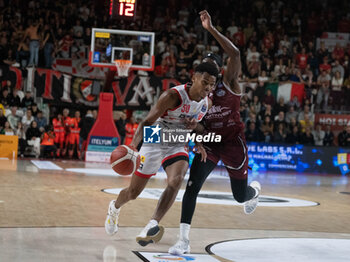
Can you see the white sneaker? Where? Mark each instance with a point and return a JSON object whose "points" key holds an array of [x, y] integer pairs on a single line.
{"points": [[150, 234], [181, 247], [111, 223], [250, 205]]}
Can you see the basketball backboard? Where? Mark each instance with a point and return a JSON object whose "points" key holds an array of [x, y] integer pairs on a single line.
{"points": [[107, 45]]}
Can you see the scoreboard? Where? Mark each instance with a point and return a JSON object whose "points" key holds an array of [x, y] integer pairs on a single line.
{"points": [[122, 9]]}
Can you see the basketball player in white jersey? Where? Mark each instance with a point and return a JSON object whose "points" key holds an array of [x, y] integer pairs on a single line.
{"points": [[177, 108]]}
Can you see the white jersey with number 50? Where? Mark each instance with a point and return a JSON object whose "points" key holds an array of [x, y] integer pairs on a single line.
{"points": [[187, 109]]}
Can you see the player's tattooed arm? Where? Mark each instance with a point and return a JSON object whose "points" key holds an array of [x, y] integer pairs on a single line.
{"points": [[168, 100], [234, 62]]}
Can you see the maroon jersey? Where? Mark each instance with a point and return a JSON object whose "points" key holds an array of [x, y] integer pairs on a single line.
{"points": [[223, 117]]}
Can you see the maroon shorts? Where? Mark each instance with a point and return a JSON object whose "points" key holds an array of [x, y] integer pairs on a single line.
{"points": [[233, 154]]}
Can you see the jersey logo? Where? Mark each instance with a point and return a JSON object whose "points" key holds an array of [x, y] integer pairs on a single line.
{"points": [[220, 92], [200, 116], [204, 108]]}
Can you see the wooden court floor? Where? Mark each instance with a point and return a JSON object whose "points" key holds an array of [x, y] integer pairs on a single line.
{"points": [[61, 211]]}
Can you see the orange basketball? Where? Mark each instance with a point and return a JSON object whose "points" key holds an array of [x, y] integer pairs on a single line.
{"points": [[125, 160]]}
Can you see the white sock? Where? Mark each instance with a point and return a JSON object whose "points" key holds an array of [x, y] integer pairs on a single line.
{"points": [[153, 223], [114, 208], [185, 231]]}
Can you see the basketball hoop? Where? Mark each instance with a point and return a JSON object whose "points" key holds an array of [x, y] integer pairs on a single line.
{"points": [[123, 66]]}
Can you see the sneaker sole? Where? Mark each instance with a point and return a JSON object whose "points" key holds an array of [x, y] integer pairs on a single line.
{"points": [[248, 212], [154, 235]]}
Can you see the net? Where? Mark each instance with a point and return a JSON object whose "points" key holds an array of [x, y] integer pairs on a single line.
{"points": [[123, 67]]}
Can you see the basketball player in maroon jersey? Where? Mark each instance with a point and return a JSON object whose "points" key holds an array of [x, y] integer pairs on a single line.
{"points": [[223, 118]]}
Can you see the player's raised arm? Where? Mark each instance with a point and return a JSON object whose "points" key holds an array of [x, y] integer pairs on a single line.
{"points": [[234, 63], [168, 100]]}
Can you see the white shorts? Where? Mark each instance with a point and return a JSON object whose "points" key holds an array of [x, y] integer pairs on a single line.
{"points": [[153, 155]]}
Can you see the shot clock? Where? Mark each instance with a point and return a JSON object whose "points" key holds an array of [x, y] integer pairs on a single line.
{"points": [[122, 9]]}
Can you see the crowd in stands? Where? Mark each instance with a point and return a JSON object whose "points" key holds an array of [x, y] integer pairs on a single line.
{"points": [[277, 41]]}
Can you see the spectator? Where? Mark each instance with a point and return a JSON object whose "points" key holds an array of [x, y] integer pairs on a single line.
{"points": [[49, 45], [263, 77], [323, 82], [5, 98], [7, 130], [23, 54], [13, 118], [325, 66], [267, 66], [41, 120], [256, 104], [22, 142], [121, 123], [279, 119], [280, 106], [307, 138], [291, 114], [295, 102], [33, 138], [319, 135], [161, 70], [27, 99], [27, 119], [14, 99], [32, 32], [181, 62], [294, 136], [285, 76], [306, 112], [344, 137], [130, 129], [267, 129], [280, 134], [253, 133], [322, 52], [328, 139], [34, 109], [302, 59], [267, 112], [336, 91], [94, 114], [86, 125], [252, 118], [269, 99], [183, 76], [3, 119], [338, 67], [47, 142], [253, 54], [306, 123], [232, 29], [338, 52], [2, 109]]}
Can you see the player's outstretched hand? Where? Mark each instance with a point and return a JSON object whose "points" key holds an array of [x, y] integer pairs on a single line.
{"points": [[190, 123], [206, 19], [200, 149]]}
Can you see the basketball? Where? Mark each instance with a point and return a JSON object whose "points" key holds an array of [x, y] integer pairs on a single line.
{"points": [[125, 160]]}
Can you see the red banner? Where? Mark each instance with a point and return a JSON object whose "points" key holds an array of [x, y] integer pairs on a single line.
{"points": [[337, 122]]}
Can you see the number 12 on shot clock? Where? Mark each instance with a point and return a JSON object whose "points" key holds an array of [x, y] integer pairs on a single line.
{"points": [[122, 8]]}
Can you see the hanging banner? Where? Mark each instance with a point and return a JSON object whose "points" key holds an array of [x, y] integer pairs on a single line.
{"points": [[337, 122]]}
